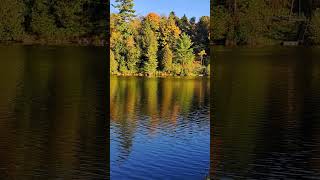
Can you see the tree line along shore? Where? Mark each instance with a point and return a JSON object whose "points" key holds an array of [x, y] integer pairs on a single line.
{"points": [[265, 22], [80, 22], [158, 45]]}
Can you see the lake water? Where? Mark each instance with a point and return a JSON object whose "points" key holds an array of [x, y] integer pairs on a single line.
{"points": [[160, 128], [266, 113], [52, 113]]}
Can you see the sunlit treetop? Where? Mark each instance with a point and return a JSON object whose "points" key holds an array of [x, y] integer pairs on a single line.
{"points": [[125, 8]]}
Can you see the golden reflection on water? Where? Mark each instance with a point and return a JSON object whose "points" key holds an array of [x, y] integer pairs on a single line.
{"points": [[161, 100]]}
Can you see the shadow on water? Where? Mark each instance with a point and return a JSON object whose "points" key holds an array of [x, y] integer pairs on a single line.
{"points": [[265, 105], [52, 113]]}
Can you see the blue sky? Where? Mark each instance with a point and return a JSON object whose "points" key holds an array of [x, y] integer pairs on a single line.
{"points": [[196, 8]]}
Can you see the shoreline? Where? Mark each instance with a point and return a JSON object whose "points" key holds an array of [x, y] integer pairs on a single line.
{"points": [[263, 45], [162, 76], [43, 42], [220, 47]]}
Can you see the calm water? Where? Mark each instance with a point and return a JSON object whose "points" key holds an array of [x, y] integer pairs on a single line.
{"points": [[52, 113], [266, 114], [159, 128]]}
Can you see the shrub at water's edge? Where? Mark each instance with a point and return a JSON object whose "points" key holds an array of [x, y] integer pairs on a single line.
{"points": [[156, 45]]}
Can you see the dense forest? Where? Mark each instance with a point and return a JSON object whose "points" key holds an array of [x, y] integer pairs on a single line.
{"points": [[53, 21], [157, 45], [261, 22]]}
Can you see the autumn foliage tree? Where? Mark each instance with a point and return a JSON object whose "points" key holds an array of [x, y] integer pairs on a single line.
{"points": [[154, 44]]}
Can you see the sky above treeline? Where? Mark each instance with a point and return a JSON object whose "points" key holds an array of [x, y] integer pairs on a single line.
{"points": [[191, 8]]}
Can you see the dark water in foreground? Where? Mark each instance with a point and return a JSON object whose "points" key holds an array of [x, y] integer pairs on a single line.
{"points": [[52, 113], [159, 128], [266, 114]]}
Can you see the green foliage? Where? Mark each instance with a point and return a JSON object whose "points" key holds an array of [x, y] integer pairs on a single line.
{"points": [[11, 13], [167, 56], [254, 22], [125, 15], [176, 69], [132, 55], [219, 23], [151, 46], [201, 54], [43, 23], [154, 44], [68, 17], [185, 25], [56, 21], [113, 63], [169, 32], [315, 27], [122, 64], [201, 38], [185, 54], [125, 8]]}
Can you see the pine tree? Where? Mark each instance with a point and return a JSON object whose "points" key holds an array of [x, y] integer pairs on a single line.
{"points": [[185, 25], [132, 55], [185, 54], [167, 57], [125, 16], [151, 43], [124, 33], [202, 34], [125, 8]]}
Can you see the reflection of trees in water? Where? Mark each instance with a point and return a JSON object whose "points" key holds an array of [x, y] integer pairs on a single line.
{"points": [[264, 112], [145, 105], [11, 69], [55, 115]]}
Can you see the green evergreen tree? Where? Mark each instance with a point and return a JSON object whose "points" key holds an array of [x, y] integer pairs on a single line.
{"points": [[122, 64], [201, 38], [125, 8], [113, 63], [126, 14], [167, 57], [151, 43], [185, 54], [132, 55], [185, 25]]}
